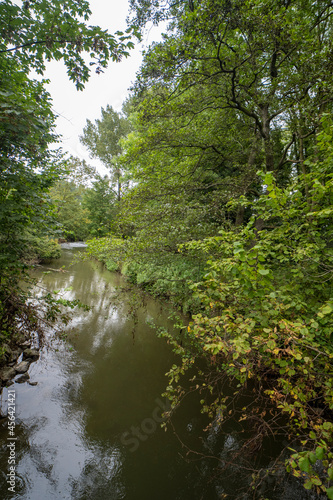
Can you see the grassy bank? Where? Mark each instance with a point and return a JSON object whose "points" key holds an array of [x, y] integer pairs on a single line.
{"points": [[166, 277]]}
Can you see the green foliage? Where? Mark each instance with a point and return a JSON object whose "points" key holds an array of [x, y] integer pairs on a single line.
{"points": [[166, 277], [109, 250], [85, 203], [27, 167], [100, 203], [70, 213], [103, 139], [35, 32], [268, 313], [40, 249]]}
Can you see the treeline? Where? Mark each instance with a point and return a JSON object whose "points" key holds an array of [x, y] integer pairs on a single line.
{"points": [[225, 207], [84, 203]]}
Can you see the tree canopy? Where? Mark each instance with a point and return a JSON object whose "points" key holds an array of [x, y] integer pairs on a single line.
{"points": [[34, 32], [103, 140]]}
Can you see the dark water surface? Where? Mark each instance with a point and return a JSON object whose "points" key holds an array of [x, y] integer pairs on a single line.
{"points": [[91, 429]]}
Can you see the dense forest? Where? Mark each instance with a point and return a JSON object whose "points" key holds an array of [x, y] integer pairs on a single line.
{"points": [[218, 196]]}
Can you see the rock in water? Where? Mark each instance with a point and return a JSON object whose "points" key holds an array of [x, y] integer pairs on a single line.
{"points": [[23, 378], [22, 367], [32, 354], [7, 374]]}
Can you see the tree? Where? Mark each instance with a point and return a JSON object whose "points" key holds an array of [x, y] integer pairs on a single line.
{"points": [[27, 170], [103, 141], [67, 196], [72, 217], [27, 166], [84, 202], [259, 59], [231, 88], [80, 172], [31, 34], [100, 203], [199, 158]]}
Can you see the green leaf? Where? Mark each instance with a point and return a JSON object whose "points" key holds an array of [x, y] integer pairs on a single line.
{"points": [[308, 484], [271, 344], [304, 464], [330, 473], [327, 309]]}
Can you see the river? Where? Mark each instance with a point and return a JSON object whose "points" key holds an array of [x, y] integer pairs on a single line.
{"points": [[91, 427]]}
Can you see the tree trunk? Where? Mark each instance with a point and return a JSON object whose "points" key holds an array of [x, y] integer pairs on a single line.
{"points": [[118, 184], [266, 124]]}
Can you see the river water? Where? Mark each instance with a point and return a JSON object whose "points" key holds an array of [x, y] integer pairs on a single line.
{"points": [[91, 427]]}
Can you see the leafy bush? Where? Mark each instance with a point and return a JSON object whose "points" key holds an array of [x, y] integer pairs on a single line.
{"points": [[268, 318], [109, 250], [40, 248], [166, 277]]}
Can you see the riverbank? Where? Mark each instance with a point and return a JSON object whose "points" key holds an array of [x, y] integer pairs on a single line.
{"points": [[244, 329], [21, 338], [165, 276]]}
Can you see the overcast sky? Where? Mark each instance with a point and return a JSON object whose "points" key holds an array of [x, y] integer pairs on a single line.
{"points": [[111, 87]]}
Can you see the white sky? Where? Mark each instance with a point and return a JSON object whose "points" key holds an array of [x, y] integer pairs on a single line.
{"points": [[111, 87]]}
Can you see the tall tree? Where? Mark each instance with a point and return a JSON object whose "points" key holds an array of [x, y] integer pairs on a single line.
{"points": [[102, 139], [100, 203], [185, 167], [27, 166], [259, 59]]}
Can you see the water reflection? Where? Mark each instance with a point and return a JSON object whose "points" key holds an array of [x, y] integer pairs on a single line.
{"points": [[89, 429], [70, 424]]}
